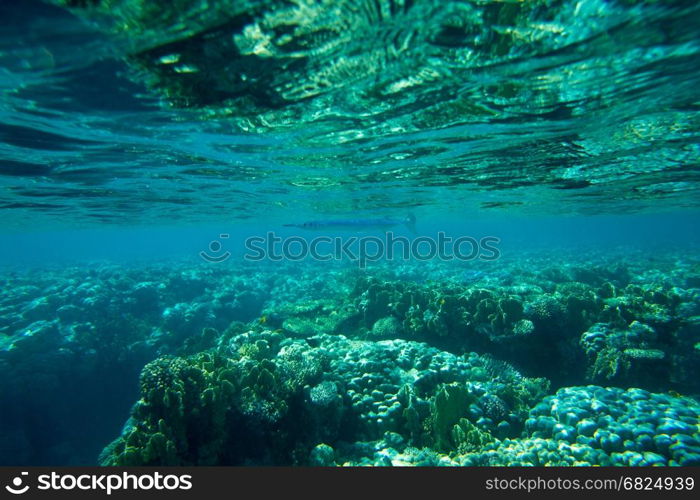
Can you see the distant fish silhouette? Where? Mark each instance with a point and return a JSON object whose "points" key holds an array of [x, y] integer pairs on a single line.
{"points": [[357, 224]]}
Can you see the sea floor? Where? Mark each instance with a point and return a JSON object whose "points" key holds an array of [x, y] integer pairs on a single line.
{"points": [[568, 358]]}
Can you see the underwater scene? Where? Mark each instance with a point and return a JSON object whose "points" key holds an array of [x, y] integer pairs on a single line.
{"points": [[350, 232]]}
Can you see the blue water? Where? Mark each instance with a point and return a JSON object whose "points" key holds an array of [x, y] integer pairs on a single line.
{"points": [[649, 232], [139, 145]]}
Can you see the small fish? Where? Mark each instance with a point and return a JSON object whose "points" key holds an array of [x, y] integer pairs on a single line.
{"points": [[357, 224]]}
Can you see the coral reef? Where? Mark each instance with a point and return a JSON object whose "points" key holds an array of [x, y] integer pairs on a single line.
{"points": [[602, 426], [403, 365], [572, 331], [266, 399]]}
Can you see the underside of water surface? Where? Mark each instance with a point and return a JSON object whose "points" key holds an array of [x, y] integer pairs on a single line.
{"points": [[196, 198]]}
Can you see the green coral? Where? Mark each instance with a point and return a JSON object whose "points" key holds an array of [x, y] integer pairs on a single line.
{"points": [[299, 366], [645, 354], [182, 415], [468, 438], [194, 411], [264, 392], [522, 393], [257, 350], [498, 317], [415, 413], [386, 328], [446, 311], [450, 405], [608, 364]]}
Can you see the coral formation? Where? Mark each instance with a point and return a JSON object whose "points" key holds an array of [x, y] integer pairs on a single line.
{"points": [[226, 406], [602, 426], [341, 368]]}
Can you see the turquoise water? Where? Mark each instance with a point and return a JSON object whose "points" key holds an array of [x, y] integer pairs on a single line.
{"points": [[147, 146]]}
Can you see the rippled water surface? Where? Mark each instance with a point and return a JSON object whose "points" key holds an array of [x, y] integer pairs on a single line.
{"points": [[131, 111]]}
